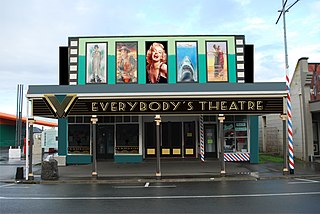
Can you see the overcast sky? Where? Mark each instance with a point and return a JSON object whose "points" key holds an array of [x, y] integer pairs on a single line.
{"points": [[33, 30]]}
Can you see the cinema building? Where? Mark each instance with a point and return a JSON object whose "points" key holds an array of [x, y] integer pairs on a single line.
{"points": [[118, 96]]}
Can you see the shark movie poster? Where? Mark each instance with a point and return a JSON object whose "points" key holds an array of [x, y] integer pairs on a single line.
{"points": [[187, 61]]}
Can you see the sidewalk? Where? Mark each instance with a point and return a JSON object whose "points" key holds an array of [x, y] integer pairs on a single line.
{"points": [[171, 170]]}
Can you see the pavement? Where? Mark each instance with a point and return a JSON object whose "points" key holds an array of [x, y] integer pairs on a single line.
{"points": [[172, 170]]}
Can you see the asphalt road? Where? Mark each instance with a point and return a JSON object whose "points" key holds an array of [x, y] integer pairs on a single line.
{"points": [[264, 196]]}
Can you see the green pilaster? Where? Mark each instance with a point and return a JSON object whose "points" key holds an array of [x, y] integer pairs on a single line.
{"points": [[254, 139], [82, 70], [62, 131], [142, 69], [232, 68], [172, 72], [63, 136], [202, 68], [111, 69]]}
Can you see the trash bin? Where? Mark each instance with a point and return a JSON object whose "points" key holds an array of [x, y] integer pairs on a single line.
{"points": [[49, 169], [19, 173]]}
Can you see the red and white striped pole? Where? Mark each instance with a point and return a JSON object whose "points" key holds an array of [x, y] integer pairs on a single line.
{"points": [[201, 138], [289, 115], [290, 139]]}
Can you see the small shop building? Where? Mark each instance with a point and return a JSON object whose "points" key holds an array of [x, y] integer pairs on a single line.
{"points": [[305, 96], [109, 103]]}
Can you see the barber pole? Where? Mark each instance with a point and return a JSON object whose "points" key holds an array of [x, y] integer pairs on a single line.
{"points": [[201, 139], [290, 139]]}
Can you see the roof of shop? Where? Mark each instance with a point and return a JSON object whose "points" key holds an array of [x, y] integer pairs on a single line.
{"points": [[10, 117], [159, 89]]}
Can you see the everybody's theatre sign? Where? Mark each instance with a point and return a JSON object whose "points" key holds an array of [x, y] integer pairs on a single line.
{"points": [[151, 106]]}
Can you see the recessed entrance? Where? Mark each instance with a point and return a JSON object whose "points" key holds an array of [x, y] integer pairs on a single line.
{"points": [[177, 139], [105, 142], [210, 139]]}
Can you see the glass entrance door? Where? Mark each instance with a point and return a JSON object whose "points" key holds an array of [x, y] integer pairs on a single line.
{"points": [[105, 141], [210, 140], [150, 139], [189, 137], [171, 139]]}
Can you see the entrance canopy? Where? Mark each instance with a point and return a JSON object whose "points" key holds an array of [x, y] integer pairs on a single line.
{"points": [[135, 99]]}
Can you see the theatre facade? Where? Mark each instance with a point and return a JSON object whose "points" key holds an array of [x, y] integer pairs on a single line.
{"points": [[115, 92]]}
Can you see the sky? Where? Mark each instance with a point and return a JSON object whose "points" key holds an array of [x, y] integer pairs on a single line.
{"points": [[33, 30]]}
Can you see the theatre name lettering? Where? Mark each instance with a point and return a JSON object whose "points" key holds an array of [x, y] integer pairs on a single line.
{"points": [[182, 106], [176, 106]]}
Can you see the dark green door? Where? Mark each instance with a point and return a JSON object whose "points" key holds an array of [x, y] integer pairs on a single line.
{"points": [[105, 142]]}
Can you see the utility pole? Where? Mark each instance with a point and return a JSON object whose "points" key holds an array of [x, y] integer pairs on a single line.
{"points": [[289, 116]]}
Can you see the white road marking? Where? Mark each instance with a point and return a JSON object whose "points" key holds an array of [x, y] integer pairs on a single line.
{"points": [[169, 186], [303, 181], [162, 197], [18, 187], [7, 185], [147, 185]]}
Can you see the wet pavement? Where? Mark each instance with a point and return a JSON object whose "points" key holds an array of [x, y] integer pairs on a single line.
{"points": [[171, 170]]}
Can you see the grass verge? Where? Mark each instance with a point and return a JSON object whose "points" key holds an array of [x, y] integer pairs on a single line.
{"points": [[268, 158]]}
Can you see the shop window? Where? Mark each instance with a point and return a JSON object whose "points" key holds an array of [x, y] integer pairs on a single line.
{"points": [[71, 119], [127, 139], [79, 139], [87, 119], [209, 118], [135, 119], [79, 119], [118, 119], [236, 134], [126, 119]]}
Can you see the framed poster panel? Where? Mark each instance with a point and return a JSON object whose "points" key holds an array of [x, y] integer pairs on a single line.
{"points": [[187, 61], [127, 54], [217, 61], [96, 62], [156, 68]]}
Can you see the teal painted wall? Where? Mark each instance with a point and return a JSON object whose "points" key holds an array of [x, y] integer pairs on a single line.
{"points": [[254, 139], [142, 67], [62, 132], [172, 76], [79, 159], [82, 70], [128, 158], [232, 68], [202, 68], [62, 136], [7, 135], [111, 69]]}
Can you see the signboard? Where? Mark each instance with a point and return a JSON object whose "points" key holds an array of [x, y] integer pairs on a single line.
{"points": [[156, 59], [151, 106], [315, 83]]}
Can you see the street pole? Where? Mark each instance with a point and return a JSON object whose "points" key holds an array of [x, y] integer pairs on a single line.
{"points": [[221, 119], [26, 145], [30, 175], [94, 120], [289, 115], [285, 147], [157, 119]]}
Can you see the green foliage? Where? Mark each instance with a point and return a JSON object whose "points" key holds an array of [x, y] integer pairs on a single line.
{"points": [[268, 158]]}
